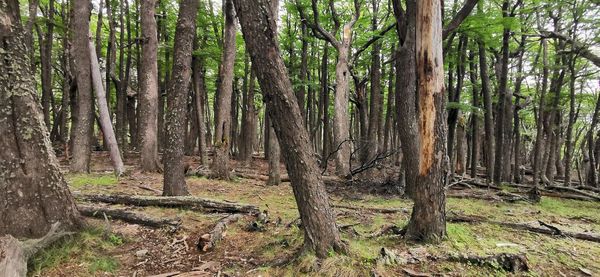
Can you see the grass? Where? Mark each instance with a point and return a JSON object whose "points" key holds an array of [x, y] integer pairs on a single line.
{"points": [[95, 179], [85, 247]]}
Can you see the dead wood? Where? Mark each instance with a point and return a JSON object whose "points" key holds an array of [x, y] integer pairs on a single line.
{"points": [[575, 191], [371, 209], [209, 240], [508, 262], [189, 202], [545, 229], [14, 253], [144, 187], [387, 229], [596, 190], [128, 216]]}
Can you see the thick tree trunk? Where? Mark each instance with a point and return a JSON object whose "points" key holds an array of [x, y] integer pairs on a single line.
{"points": [[428, 219], [148, 119], [82, 138], [222, 140], [258, 27], [341, 116], [34, 192], [105, 123], [174, 176]]}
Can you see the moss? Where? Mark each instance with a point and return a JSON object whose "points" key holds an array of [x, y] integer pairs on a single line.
{"points": [[95, 179], [83, 248]]}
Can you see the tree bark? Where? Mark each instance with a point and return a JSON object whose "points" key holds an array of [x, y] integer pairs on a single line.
{"points": [[199, 82], [258, 28], [105, 123], [428, 219], [174, 176], [539, 140], [488, 119], [375, 111], [274, 157], [474, 115], [222, 140], [82, 138], [46, 64], [149, 89], [34, 192]]}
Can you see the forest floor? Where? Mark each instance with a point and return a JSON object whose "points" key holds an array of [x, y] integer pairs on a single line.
{"points": [[114, 248]]}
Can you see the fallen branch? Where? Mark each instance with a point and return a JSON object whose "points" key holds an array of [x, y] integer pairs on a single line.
{"points": [[388, 229], [14, 254], [576, 191], [371, 209], [547, 229], [189, 202], [144, 187], [127, 216], [209, 240]]}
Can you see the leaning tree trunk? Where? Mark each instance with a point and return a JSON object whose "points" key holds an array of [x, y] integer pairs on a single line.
{"points": [[148, 119], [82, 138], [105, 123], [174, 176], [428, 219], [321, 234], [220, 165], [34, 192]]}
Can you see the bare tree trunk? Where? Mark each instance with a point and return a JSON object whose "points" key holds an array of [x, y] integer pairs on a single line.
{"points": [[318, 220], [199, 83], [488, 120], [428, 219], [34, 192], [474, 116], [174, 176], [375, 111], [46, 64], [220, 165], [249, 120], [107, 129], [324, 105], [82, 138], [149, 89], [539, 141], [454, 96], [341, 117], [274, 157]]}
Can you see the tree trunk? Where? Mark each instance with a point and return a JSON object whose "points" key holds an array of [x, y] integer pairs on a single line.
{"points": [[105, 123], [428, 219], [321, 233], [504, 115], [488, 120], [539, 141], [46, 64], [82, 138], [34, 192], [148, 119], [174, 176], [274, 156], [324, 105], [474, 115], [341, 116], [121, 118], [220, 165], [199, 71], [375, 111], [249, 120], [454, 96]]}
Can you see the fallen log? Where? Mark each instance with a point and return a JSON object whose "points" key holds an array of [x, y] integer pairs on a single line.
{"points": [[14, 253], [582, 187], [547, 230], [209, 240], [127, 216], [371, 209], [190, 202], [508, 262], [576, 191]]}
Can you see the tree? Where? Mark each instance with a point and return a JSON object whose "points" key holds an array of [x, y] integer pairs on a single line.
{"points": [[223, 118], [258, 27], [428, 218], [82, 138], [149, 89], [33, 192], [174, 175]]}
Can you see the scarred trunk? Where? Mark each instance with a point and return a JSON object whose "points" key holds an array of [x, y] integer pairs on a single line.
{"points": [[428, 219], [318, 220], [174, 176], [148, 118], [341, 116], [34, 192]]}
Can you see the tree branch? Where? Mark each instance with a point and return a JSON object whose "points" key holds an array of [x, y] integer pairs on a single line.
{"points": [[459, 18]]}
